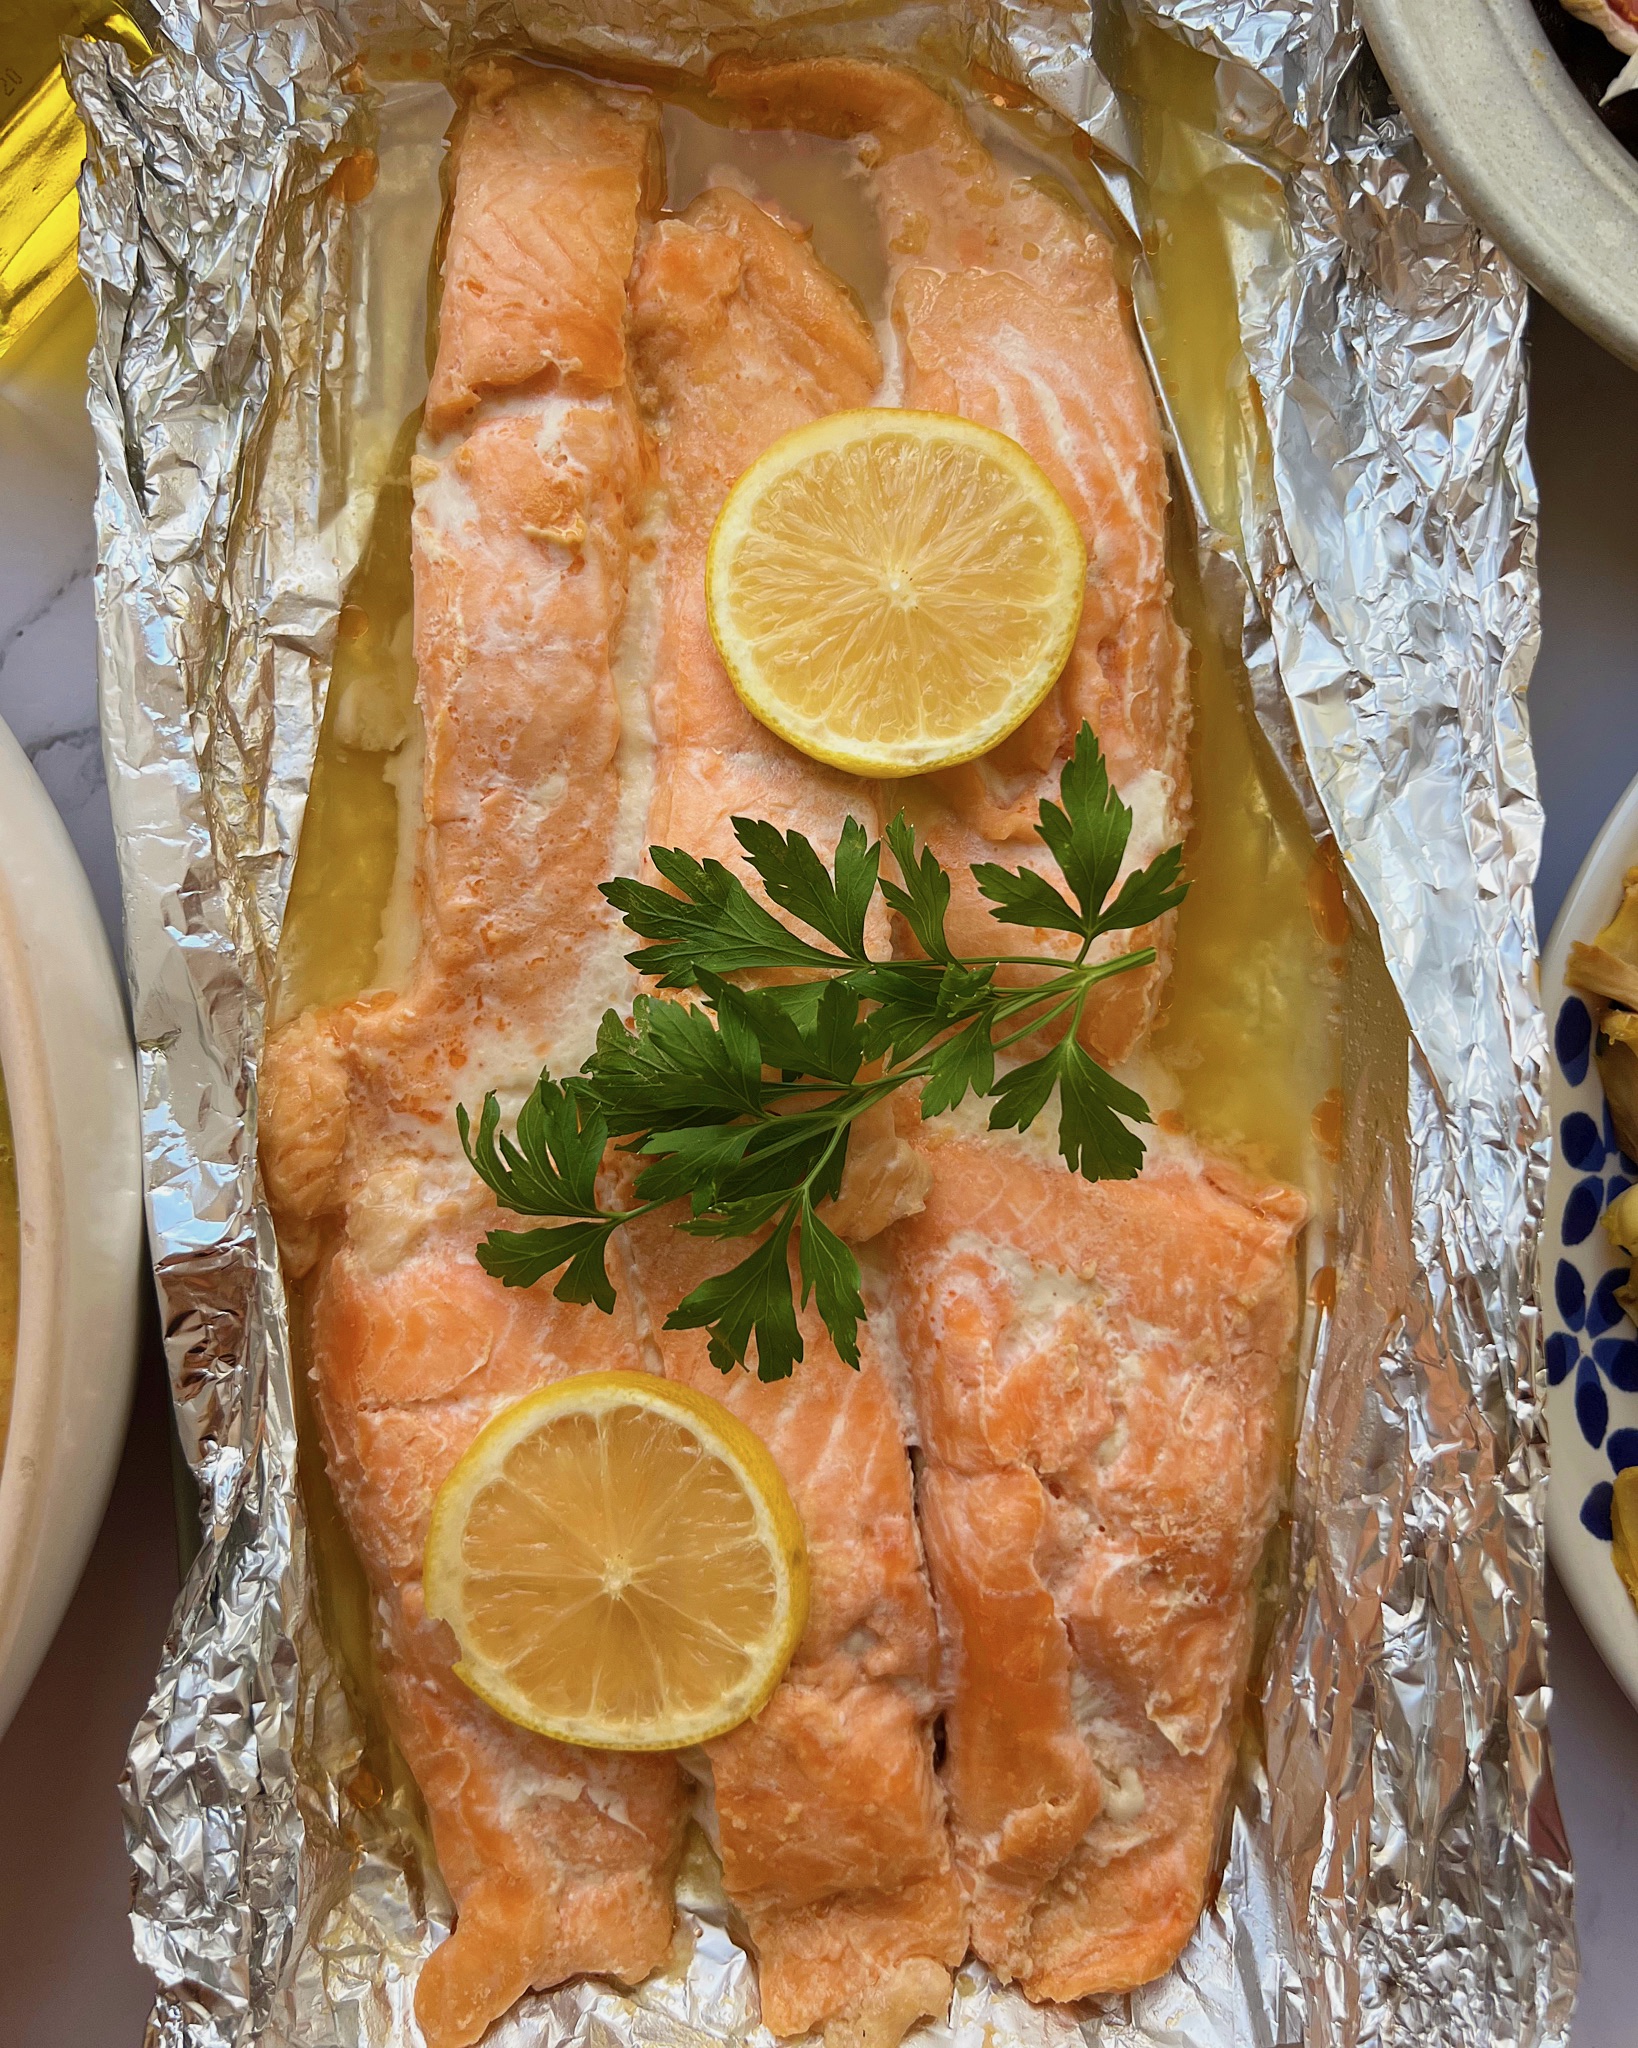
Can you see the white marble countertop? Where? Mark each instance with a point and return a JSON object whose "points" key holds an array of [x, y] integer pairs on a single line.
{"points": [[69, 1979]]}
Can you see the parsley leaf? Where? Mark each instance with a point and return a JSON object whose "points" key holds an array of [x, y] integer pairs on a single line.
{"points": [[676, 1065], [713, 922], [798, 880], [751, 1302], [803, 1028], [781, 1154], [830, 1273], [518, 1258], [739, 1104], [917, 999], [1147, 893], [1087, 836], [690, 1163], [1091, 1103], [1027, 898], [924, 900], [965, 1061], [552, 1168]]}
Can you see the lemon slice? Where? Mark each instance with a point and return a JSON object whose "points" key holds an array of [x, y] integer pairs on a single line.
{"points": [[894, 592], [620, 1563]]}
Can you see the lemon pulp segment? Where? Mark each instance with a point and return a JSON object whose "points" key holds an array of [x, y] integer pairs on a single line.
{"points": [[620, 1563], [894, 591]]}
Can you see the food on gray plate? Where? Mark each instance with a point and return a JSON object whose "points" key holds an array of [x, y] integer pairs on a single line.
{"points": [[1618, 19]]}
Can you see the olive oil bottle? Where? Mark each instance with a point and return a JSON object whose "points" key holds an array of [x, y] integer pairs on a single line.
{"points": [[42, 145]]}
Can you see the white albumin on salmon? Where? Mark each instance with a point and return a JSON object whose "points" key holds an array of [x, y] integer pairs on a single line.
{"points": [[1093, 1372]]}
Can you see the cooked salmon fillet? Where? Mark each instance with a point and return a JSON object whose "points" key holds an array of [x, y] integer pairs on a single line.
{"points": [[829, 1817], [1096, 1369], [1097, 1373], [1008, 312], [532, 474], [826, 1808], [1091, 1374]]}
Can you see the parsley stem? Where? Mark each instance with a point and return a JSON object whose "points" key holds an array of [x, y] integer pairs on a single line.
{"points": [[1039, 1023], [804, 1192], [981, 960], [623, 1216], [1080, 980], [1100, 970]]}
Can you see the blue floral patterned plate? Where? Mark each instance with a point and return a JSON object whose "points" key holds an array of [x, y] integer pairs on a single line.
{"points": [[1592, 1345]]}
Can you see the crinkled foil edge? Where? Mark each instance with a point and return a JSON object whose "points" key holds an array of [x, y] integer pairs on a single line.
{"points": [[1395, 1872]]}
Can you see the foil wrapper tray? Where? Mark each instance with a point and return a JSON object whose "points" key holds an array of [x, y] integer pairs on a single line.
{"points": [[1393, 1869]]}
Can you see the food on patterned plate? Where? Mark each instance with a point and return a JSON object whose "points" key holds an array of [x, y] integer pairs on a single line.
{"points": [[1009, 1724], [1606, 971]]}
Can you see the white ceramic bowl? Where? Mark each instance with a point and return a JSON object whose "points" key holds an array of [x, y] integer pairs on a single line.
{"points": [[1592, 1347], [71, 1086], [1531, 161]]}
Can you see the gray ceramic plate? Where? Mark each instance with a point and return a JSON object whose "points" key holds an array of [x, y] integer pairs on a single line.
{"points": [[1501, 118]]}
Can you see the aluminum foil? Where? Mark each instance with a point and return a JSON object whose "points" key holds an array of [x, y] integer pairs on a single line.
{"points": [[1395, 1871]]}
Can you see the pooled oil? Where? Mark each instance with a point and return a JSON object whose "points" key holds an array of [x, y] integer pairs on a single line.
{"points": [[337, 925]]}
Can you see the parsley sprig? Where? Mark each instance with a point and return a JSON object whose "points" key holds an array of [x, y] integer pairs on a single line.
{"points": [[742, 1102]]}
